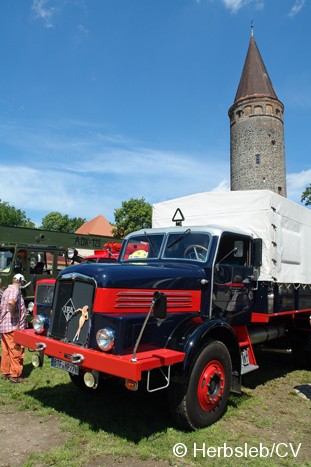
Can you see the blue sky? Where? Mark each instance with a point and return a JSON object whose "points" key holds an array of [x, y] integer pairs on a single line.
{"points": [[105, 100]]}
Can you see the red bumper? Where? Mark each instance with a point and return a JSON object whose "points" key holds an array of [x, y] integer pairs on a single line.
{"points": [[120, 366]]}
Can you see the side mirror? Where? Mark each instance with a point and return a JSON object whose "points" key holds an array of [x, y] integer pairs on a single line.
{"points": [[238, 249], [160, 305]]}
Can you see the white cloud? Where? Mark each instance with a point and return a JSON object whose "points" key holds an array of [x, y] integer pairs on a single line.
{"points": [[235, 5], [80, 170], [43, 12], [89, 172], [296, 184], [87, 193], [299, 4], [224, 185]]}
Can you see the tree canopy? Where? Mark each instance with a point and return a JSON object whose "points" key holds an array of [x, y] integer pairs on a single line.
{"points": [[61, 223], [12, 217], [306, 195], [133, 215]]}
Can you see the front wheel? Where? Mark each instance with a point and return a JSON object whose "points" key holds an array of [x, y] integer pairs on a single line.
{"points": [[202, 399]]}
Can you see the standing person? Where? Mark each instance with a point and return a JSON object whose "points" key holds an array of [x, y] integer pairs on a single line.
{"points": [[12, 316], [1, 293]]}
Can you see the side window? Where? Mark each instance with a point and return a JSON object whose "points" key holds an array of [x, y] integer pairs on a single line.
{"points": [[61, 262], [233, 250], [21, 262], [38, 263], [49, 263], [6, 257]]}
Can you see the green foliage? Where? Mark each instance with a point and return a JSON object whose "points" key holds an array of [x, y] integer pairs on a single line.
{"points": [[306, 196], [61, 223], [134, 214], [12, 217]]}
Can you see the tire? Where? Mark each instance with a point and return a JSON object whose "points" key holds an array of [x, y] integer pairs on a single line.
{"points": [[202, 399]]}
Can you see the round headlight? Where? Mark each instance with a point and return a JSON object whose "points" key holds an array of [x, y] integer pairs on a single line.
{"points": [[39, 323], [105, 339], [71, 253]]}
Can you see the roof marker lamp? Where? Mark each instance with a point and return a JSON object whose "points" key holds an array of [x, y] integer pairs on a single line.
{"points": [[105, 339], [40, 323]]}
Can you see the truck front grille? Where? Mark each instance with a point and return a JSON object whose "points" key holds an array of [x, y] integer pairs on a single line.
{"points": [[72, 310]]}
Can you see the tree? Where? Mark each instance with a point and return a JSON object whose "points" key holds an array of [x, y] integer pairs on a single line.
{"points": [[306, 195], [134, 214], [12, 217], [61, 223]]}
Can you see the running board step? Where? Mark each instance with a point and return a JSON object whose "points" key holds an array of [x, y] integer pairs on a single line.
{"points": [[248, 368]]}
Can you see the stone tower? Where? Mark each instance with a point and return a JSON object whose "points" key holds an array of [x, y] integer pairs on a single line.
{"points": [[257, 154]]}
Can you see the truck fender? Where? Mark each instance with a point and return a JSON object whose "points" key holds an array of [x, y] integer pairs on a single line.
{"points": [[191, 337]]}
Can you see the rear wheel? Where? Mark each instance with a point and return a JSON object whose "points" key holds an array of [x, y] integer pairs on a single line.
{"points": [[202, 399]]}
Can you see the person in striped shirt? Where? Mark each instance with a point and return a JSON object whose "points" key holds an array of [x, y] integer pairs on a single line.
{"points": [[12, 317]]}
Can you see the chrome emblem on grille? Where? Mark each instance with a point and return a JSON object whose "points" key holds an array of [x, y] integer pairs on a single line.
{"points": [[68, 310], [84, 317]]}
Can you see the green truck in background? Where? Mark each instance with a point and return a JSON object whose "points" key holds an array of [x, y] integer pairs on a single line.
{"points": [[40, 254]]}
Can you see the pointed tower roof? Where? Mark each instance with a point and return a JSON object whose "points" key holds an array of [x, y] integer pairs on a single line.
{"points": [[255, 80], [97, 226]]}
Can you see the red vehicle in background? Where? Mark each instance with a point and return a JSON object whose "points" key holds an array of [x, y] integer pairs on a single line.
{"points": [[110, 252]]}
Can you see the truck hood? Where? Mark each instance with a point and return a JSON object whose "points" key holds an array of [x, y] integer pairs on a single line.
{"points": [[160, 275]]}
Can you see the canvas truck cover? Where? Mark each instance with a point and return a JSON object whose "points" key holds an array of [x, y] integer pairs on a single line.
{"points": [[284, 226]]}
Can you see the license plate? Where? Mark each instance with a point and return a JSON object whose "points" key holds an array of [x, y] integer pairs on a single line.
{"points": [[244, 357], [66, 366]]}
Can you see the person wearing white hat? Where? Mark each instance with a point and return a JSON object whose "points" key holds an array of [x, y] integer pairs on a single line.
{"points": [[12, 316]]}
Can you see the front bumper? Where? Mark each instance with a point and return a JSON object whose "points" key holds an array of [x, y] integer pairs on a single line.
{"points": [[116, 365]]}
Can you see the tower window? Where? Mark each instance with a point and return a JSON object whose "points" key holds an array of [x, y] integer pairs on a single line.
{"points": [[257, 159]]}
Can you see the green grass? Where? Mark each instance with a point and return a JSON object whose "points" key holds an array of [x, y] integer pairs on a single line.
{"points": [[116, 422]]}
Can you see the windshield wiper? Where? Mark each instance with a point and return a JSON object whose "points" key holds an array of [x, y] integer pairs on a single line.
{"points": [[181, 236]]}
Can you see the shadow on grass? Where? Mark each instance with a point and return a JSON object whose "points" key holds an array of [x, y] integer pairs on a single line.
{"points": [[114, 409], [27, 370], [271, 366], [138, 415]]}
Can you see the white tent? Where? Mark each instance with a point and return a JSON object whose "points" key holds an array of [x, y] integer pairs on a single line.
{"points": [[284, 226]]}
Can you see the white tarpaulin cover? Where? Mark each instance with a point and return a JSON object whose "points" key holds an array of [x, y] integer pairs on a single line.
{"points": [[284, 226]]}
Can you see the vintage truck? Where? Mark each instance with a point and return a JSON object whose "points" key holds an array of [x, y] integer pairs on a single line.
{"points": [[187, 303]]}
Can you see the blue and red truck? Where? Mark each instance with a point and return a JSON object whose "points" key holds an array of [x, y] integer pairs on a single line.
{"points": [[188, 302]]}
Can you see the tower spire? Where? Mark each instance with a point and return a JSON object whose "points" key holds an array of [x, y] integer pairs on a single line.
{"points": [[257, 151]]}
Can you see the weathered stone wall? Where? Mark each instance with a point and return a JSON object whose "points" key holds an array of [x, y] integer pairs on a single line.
{"points": [[257, 153]]}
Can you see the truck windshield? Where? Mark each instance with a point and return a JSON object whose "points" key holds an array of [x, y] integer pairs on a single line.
{"points": [[187, 245], [144, 246]]}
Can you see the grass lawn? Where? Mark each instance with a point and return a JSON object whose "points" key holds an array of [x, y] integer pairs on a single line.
{"points": [[116, 423]]}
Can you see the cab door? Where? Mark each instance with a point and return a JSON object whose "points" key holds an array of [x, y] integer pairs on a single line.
{"points": [[232, 295]]}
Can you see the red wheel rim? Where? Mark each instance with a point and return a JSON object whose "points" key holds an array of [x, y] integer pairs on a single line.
{"points": [[211, 385]]}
